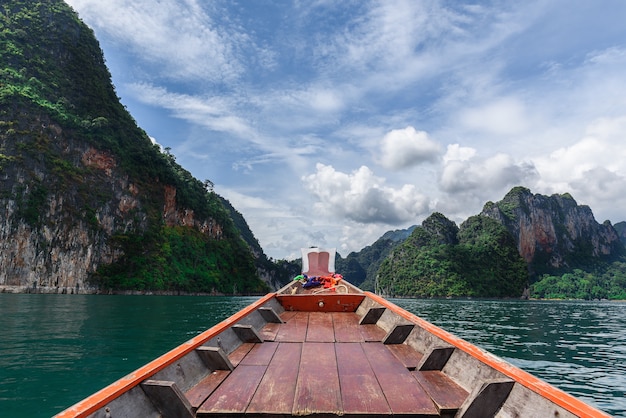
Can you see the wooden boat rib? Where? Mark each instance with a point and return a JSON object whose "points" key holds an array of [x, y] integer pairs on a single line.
{"points": [[329, 352]]}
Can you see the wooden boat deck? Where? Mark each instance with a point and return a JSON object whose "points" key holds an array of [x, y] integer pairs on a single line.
{"points": [[325, 363], [330, 353]]}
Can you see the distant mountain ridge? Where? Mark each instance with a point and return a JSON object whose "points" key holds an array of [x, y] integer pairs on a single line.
{"points": [[90, 204]]}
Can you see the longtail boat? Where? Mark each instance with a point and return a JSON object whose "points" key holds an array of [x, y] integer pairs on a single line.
{"points": [[328, 350]]}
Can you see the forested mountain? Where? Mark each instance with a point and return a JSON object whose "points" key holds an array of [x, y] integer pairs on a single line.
{"points": [[524, 245], [88, 202], [569, 254], [478, 259], [361, 267]]}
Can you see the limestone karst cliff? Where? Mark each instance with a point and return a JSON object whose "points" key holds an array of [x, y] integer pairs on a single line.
{"points": [[87, 201], [554, 232]]}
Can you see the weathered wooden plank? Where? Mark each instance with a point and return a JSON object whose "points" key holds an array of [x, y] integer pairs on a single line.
{"points": [[447, 395], [294, 329], [269, 331], [372, 333], [276, 392], [240, 352], [235, 393], [168, 399], [407, 355], [260, 355], [404, 395], [328, 301], [347, 327], [320, 328], [317, 387], [200, 392], [287, 315], [360, 391]]}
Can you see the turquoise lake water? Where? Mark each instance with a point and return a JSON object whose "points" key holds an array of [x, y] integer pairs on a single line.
{"points": [[57, 349]]}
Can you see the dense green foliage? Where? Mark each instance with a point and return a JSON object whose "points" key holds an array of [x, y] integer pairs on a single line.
{"points": [[55, 95], [480, 260], [52, 65], [607, 282], [361, 268], [183, 260]]}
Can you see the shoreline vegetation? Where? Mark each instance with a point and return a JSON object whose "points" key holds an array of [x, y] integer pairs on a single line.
{"points": [[47, 290]]}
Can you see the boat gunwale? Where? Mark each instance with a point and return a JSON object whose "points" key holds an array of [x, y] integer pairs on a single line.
{"points": [[101, 398], [531, 382]]}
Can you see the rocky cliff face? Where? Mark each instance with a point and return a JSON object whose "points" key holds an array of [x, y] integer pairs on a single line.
{"points": [[82, 187], [53, 230], [620, 227], [57, 222], [553, 232]]}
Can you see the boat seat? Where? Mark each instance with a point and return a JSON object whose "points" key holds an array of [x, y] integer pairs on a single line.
{"points": [[435, 358], [318, 261], [270, 315], [408, 356], [214, 358], [247, 333], [167, 398], [447, 395]]}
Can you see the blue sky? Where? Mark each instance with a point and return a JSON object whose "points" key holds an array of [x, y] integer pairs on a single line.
{"points": [[331, 122]]}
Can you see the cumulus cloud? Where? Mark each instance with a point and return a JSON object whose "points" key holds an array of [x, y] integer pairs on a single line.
{"points": [[402, 148], [602, 184], [362, 197], [593, 168], [469, 172], [455, 152]]}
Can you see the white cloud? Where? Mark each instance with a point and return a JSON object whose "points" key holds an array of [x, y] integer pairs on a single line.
{"points": [[455, 152], [476, 174], [402, 148], [592, 169], [603, 185], [362, 197]]}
